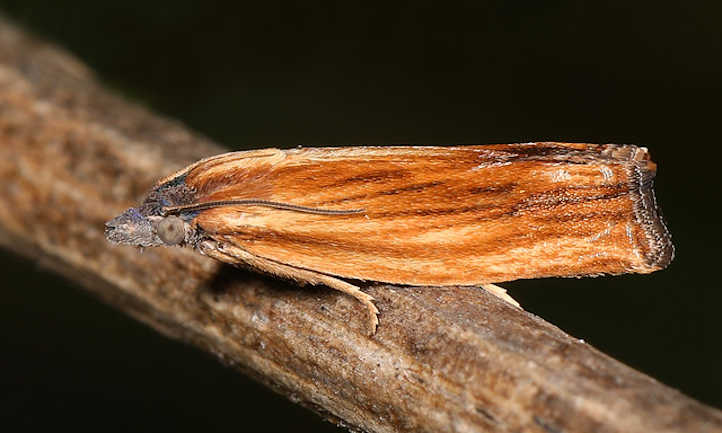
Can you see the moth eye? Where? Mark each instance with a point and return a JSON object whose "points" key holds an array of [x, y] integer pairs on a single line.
{"points": [[171, 230]]}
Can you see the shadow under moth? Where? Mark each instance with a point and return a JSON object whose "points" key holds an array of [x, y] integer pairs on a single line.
{"points": [[413, 215]]}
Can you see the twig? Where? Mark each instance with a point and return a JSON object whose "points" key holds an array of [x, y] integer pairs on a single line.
{"points": [[444, 359]]}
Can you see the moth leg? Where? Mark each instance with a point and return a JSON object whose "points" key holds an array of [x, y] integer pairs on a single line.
{"points": [[226, 252], [501, 293]]}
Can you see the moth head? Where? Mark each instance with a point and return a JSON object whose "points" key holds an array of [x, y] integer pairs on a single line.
{"points": [[133, 228]]}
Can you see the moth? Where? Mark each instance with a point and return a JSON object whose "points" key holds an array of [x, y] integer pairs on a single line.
{"points": [[413, 215]]}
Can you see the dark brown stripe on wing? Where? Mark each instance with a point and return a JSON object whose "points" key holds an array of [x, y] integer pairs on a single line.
{"points": [[542, 201], [421, 187], [434, 211], [578, 217], [569, 195], [369, 177], [368, 196], [495, 189]]}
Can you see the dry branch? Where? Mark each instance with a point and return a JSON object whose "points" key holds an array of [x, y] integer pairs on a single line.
{"points": [[451, 359]]}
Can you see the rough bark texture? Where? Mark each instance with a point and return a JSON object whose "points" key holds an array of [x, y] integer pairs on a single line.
{"points": [[444, 359]]}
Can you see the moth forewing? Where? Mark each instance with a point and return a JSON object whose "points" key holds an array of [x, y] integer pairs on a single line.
{"points": [[469, 215]]}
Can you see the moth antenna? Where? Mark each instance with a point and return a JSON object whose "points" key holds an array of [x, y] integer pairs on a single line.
{"points": [[251, 202]]}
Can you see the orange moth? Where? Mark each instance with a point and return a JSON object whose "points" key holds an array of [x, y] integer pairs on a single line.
{"points": [[413, 215]]}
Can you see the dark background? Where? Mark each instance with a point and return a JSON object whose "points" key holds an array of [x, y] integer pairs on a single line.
{"points": [[316, 73]]}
